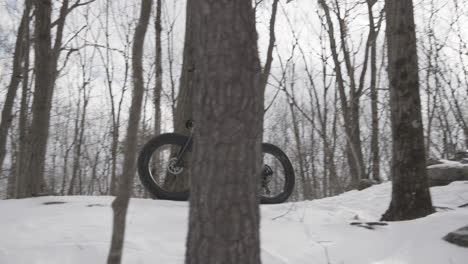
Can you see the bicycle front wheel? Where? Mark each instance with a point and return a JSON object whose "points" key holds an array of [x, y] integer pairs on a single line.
{"points": [[160, 173], [277, 177]]}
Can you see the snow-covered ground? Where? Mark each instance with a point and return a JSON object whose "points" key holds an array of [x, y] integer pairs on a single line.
{"points": [[315, 232]]}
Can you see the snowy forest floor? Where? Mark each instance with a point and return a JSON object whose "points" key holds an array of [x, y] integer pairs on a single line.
{"points": [[77, 229]]}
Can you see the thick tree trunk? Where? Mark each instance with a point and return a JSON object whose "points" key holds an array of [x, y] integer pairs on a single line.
{"points": [[410, 196], [120, 204], [228, 109], [30, 184], [16, 76], [33, 151], [23, 118]]}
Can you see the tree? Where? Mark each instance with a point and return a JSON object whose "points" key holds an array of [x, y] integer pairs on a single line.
{"points": [[116, 94], [23, 41], [16, 77], [158, 87], [410, 195], [372, 45], [183, 109], [228, 110], [33, 149], [158, 61], [36, 141], [120, 203], [350, 100]]}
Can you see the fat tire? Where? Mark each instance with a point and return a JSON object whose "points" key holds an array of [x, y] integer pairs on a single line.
{"points": [[143, 161], [289, 175], [179, 140]]}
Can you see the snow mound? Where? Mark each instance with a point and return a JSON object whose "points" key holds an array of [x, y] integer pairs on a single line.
{"points": [[448, 164], [78, 230]]}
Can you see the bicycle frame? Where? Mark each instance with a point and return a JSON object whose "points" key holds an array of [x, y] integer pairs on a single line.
{"points": [[187, 145]]}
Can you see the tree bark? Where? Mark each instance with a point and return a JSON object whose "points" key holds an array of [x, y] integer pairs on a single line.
{"points": [[22, 122], [374, 96], [29, 184], [183, 111], [184, 99], [350, 106], [228, 109], [410, 195], [305, 181], [34, 151], [120, 203], [158, 85], [158, 60], [271, 45], [16, 77], [79, 137]]}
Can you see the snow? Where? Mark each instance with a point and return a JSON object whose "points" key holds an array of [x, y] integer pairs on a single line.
{"points": [[448, 164], [319, 231]]}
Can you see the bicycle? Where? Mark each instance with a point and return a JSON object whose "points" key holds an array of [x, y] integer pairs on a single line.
{"points": [[164, 158]]}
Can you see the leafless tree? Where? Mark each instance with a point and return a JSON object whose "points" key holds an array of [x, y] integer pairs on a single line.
{"points": [[16, 77], [33, 152], [410, 193], [120, 203]]}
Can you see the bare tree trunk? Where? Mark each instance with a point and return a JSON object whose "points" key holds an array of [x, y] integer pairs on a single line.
{"points": [[410, 196], [349, 103], [23, 118], [10, 190], [306, 190], [184, 99], [306, 185], [120, 203], [158, 84], [374, 96], [46, 58], [94, 172], [79, 136], [29, 184], [16, 76], [271, 45], [183, 111], [115, 111], [228, 109], [158, 59], [66, 149], [116, 106]]}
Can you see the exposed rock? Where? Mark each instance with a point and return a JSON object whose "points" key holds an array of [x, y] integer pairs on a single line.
{"points": [[458, 237], [432, 161], [461, 155], [365, 183], [447, 172]]}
